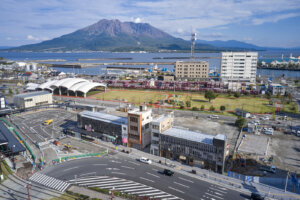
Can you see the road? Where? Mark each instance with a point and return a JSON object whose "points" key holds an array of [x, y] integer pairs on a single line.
{"points": [[119, 166]]}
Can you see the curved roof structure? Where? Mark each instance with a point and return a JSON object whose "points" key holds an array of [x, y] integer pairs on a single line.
{"points": [[60, 82], [69, 83], [77, 86], [87, 87], [46, 85]]}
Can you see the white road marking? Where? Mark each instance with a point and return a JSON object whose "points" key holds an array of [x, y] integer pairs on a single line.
{"points": [[186, 180], [134, 163], [70, 168], [146, 179], [213, 195], [114, 161], [154, 169], [100, 164], [87, 173], [153, 175], [182, 185], [217, 190], [127, 167], [118, 173], [176, 190], [218, 187]]}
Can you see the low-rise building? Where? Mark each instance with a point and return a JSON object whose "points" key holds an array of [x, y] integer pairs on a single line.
{"points": [[275, 89], [195, 70], [159, 124], [194, 148], [139, 130], [109, 127], [32, 99]]}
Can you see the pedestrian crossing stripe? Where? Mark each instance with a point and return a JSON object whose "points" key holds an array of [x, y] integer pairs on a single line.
{"points": [[49, 182], [122, 185]]}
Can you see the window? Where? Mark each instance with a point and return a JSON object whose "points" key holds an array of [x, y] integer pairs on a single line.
{"points": [[124, 128], [28, 100], [133, 119], [133, 128]]}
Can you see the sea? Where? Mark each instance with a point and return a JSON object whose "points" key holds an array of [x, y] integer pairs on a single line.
{"points": [[212, 58]]}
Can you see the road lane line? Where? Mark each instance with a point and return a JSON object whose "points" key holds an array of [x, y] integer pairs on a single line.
{"points": [[211, 188], [70, 168], [118, 173], [127, 167], [186, 180], [214, 195], [182, 185], [134, 163], [154, 169], [87, 173], [176, 190], [153, 175], [146, 179], [99, 164]]}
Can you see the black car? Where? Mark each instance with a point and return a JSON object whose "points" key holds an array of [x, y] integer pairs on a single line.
{"points": [[256, 196], [168, 172]]}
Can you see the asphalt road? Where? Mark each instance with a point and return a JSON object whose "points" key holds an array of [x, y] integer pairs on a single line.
{"points": [[127, 168]]}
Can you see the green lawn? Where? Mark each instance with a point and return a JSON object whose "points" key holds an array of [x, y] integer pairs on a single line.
{"points": [[249, 103]]}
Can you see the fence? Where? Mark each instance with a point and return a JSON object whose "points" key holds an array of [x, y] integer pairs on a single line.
{"points": [[79, 156]]}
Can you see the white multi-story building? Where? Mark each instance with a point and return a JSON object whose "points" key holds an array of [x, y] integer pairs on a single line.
{"points": [[32, 99], [239, 66]]}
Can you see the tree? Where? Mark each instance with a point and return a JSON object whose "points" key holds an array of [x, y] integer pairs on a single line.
{"points": [[10, 91], [212, 108], [17, 91], [182, 107], [246, 93], [210, 95], [222, 108], [202, 108], [194, 108], [229, 93], [151, 102], [237, 94], [278, 95], [188, 104], [240, 122], [268, 95]]}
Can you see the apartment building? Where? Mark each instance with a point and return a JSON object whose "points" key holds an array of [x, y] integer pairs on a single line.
{"points": [[139, 130], [159, 124], [239, 66], [194, 148], [195, 70]]}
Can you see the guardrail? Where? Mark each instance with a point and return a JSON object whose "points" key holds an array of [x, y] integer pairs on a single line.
{"points": [[66, 158]]}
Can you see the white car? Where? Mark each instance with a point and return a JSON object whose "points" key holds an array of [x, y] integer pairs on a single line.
{"points": [[214, 116], [145, 160]]}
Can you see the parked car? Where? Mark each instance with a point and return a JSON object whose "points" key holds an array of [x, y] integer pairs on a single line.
{"points": [[252, 117], [214, 116], [145, 160], [256, 196], [168, 172]]}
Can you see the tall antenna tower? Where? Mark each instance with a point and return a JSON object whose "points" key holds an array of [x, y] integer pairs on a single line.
{"points": [[193, 40]]}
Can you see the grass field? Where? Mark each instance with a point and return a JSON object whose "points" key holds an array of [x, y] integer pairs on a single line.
{"points": [[249, 103]]}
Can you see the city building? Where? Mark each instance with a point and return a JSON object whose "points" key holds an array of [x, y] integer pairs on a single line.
{"points": [[27, 100], [239, 66], [194, 148], [276, 88], [195, 70], [242, 113], [139, 130], [159, 124], [105, 126], [2, 102]]}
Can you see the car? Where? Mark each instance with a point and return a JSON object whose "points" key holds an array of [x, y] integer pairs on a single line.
{"points": [[168, 172], [214, 116], [145, 160], [252, 117], [256, 196]]}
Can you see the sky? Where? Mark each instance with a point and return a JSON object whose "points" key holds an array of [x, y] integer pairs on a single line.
{"points": [[268, 23]]}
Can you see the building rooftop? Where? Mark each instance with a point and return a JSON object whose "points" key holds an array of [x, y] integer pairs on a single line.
{"points": [[105, 117], [13, 144], [32, 94], [160, 118], [192, 136], [276, 85]]}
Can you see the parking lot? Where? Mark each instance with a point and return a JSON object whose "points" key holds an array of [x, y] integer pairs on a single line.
{"points": [[32, 125]]}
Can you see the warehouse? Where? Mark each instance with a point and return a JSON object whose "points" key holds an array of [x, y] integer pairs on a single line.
{"points": [[110, 127], [9, 145], [32, 99]]}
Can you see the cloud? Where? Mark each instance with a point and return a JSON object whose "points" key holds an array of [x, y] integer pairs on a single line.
{"points": [[30, 37], [137, 20], [276, 18]]}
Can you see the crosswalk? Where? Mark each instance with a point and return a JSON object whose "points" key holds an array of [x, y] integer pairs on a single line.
{"points": [[214, 192], [122, 185], [49, 182]]}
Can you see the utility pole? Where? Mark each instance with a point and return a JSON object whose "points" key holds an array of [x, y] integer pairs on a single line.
{"points": [[28, 191], [286, 182]]}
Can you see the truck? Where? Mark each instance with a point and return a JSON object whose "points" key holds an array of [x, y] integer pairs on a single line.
{"points": [[271, 169], [48, 122]]}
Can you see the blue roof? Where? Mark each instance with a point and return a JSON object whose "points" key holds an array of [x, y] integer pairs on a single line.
{"points": [[13, 144]]}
